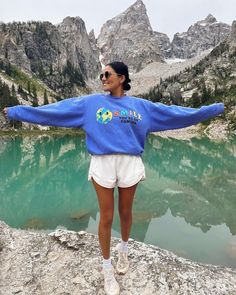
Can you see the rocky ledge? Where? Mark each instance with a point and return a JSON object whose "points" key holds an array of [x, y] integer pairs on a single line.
{"points": [[217, 130], [67, 262]]}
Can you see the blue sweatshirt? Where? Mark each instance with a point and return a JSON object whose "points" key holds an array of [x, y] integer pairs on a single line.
{"points": [[114, 125]]}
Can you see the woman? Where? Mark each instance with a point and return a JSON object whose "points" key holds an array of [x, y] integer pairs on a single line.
{"points": [[116, 127]]}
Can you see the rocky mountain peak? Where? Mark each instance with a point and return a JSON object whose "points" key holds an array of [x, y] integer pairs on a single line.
{"points": [[78, 48], [129, 37], [201, 36], [210, 19], [68, 21], [61, 56], [138, 5], [138, 8]]}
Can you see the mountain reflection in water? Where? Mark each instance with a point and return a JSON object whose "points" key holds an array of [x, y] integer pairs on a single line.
{"points": [[188, 200]]}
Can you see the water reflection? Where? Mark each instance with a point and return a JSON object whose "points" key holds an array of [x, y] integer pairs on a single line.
{"points": [[43, 184], [47, 182], [195, 179]]}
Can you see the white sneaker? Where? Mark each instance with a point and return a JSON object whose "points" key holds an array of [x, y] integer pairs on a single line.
{"points": [[122, 265], [111, 286]]}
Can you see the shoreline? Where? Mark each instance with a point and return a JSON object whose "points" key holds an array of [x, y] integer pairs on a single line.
{"points": [[217, 130]]}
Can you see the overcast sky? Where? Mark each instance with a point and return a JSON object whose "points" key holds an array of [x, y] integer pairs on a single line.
{"points": [[166, 16]]}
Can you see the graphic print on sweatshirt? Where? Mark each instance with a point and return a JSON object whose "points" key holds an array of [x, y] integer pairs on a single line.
{"points": [[104, 116]]}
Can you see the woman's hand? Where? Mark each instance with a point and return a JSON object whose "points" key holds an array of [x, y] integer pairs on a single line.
{"points": [[5, 112]]}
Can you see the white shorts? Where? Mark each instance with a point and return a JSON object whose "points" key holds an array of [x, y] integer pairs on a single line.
{"points": [[116, 170]]}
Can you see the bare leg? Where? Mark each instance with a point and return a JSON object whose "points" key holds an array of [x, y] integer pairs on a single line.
{"points": [[106, 206], [126, 197]]}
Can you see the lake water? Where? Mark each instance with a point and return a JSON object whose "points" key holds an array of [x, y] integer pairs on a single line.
{"points": [[187, 204]]}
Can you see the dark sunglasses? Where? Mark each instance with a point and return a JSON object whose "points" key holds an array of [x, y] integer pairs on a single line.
{"points": [[107, 75]]}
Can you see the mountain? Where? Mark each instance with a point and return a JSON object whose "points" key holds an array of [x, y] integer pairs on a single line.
{"points": [[201, 36], [41, 62], [61, 56], [212, 79], [130, 38]]}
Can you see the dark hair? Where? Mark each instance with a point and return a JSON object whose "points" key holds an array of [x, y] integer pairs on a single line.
{"points": [[121, 68]]}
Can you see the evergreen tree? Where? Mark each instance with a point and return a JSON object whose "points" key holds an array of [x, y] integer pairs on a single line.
{"points": [[51, 70], [45, 98], [6, 99], [13, 91], [8, 69], [29, 88], [34, 94], [195, 101], [34, 91]]}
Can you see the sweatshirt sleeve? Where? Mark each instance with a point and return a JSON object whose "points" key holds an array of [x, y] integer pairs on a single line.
{"points": [[66, 113], [164, 117]]}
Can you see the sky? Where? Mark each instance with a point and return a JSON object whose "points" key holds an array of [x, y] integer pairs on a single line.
{"points": [[166, 16]]}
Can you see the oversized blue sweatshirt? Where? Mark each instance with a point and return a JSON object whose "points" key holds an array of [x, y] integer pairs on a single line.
{"points": [[114, 125]]}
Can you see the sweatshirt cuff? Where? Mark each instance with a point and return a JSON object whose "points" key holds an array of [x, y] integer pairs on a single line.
{"points": [[10, 113], [220, 107]]}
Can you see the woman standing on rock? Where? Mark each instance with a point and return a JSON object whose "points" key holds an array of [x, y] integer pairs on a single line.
{"points": [[116, 127]]}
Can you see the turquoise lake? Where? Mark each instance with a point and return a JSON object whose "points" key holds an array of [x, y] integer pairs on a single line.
{"points": [[187, 204]]}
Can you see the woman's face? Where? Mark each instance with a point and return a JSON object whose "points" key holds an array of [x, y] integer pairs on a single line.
{"points": [[111, 81]]}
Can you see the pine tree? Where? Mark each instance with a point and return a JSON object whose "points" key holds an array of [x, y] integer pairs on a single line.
{"points": [[45, 98], [51, 70], [34, 91], [34, 94], [29, 88]]}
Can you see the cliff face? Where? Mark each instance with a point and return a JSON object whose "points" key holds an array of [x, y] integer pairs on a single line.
{"points": [[232, 38], [78, 49], [61, 56], [68, 262], [130, 38], [201, 36]]}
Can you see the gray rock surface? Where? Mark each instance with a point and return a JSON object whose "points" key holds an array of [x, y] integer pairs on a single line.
{"points": [[203, 35], [150, 75], [164, 44], [232, 38], [216, 72], [67, 262], [61, 56], [130, 38], [78, 47]]}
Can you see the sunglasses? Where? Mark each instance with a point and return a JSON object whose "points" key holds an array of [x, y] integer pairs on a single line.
{"points": [[107, 75]]}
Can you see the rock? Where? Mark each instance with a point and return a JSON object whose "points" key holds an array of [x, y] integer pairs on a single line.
{"points": [[4, 124], [232, 38], [203, 35], [61, 56], [164, 44], [67, 262], [130, 38], [79, 50], [151, 75]]}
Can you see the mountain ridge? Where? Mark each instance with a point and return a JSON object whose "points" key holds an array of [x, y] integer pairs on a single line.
{"points": [[67, 59]]}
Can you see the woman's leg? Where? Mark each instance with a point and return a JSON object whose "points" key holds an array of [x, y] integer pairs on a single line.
{"points": [[126, 197], [106, 206]]}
